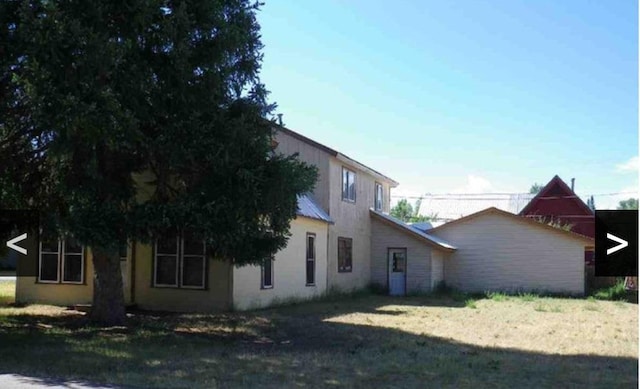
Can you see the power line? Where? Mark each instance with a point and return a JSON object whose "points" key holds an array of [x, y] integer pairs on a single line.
{"points": [[479, 196]]}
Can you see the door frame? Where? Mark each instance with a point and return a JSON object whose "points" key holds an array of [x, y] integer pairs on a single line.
{"points": [[406, 268]]}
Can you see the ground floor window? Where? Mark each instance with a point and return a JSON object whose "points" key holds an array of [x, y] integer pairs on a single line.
{"points": [[180, 261], [123, 252], [61, 261], [311, 260], [345, 254], [266, 270]]}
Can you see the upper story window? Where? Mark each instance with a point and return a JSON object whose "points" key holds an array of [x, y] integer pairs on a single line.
{"points": [[61, 261], [180, 262], [348, 185], [379, 197]]}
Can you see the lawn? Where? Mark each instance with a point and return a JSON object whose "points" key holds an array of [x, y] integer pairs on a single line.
{"points": [[362, 341]]}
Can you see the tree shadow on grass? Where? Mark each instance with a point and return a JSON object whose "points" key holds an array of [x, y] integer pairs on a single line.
{"points": [[276, 348]]}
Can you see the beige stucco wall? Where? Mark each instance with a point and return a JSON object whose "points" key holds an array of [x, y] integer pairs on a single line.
{"points": [[497, 252], [419, 256], [30, 291], [289, 270], [216, 297]]}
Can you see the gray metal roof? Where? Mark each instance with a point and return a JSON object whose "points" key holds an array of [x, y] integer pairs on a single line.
{"points": [[433, 239], [424, 226], [307, 207]]}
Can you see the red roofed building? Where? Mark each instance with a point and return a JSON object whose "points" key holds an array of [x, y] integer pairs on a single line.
{"points": [[558, 203]]}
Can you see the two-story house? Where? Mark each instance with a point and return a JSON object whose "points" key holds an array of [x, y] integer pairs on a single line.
{"points": [[346, 190], [175, 273], [342, 239], [330, 248]]}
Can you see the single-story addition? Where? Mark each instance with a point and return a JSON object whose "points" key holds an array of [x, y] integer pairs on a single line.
{"points": [[500, 251], [404, 259], [175, 274], [490, 250]]}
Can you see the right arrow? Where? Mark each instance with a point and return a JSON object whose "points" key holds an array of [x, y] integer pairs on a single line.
{"points": [[623, 243]]}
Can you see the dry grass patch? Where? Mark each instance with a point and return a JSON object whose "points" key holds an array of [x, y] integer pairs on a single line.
{"points": [[368, 341], [545, 325]]}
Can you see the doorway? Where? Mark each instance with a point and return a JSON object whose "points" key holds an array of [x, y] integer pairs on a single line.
{"points": [[397, 270]]}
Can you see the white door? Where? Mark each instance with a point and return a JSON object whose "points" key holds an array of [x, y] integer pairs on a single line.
{"points": [[397, 271]]}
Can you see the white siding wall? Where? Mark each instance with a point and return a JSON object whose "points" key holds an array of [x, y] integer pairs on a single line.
{"points": [[419, 256], [437, 268], [289, 267], [496, 252]]}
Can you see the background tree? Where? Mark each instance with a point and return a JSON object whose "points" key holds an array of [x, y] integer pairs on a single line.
{"points": [[402, 210], [96, 95], [591, 203], [409, 214], [535, 188], [416, 217], [631, 203]]}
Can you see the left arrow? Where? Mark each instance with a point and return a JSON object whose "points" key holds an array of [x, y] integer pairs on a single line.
{"points": [[12, 244]]}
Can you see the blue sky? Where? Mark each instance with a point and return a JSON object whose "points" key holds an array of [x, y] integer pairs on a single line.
{"points": [[463, 96]]}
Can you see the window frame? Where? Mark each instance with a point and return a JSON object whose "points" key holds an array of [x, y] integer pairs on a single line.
{"points": [[64, 258], [179, 254], [61, 257], [344, 269], [308, 259], [155, 264], [203, 256], [345, 188], [40, 252], [378, 197], [264, 286]]}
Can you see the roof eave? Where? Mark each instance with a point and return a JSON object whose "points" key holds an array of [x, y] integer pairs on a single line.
{"points": [[413, 233], [330, 222], [569, 234], [379, 176]]}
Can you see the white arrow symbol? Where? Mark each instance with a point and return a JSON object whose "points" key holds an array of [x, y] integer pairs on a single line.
{"points": [[12, 244], [623, 244]]}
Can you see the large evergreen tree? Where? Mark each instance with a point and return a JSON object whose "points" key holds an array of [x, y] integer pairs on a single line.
{"points": [[96, 95]]}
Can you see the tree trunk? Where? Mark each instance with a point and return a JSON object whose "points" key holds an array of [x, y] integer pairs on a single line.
{"points": [[108, 297]]}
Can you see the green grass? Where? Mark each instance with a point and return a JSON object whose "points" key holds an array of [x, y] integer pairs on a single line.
{"points": [[614, 292], [497, 296], [345, 340]]}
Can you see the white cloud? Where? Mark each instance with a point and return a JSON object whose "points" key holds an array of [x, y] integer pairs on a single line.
{"points": [[630, 166], [475, 184]]}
